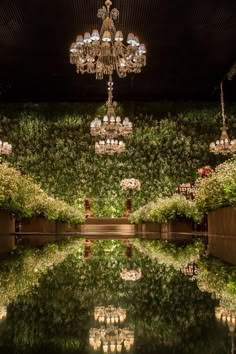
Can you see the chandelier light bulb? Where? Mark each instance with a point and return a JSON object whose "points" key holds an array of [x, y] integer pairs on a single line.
{"points": [[106, 36], [80, 40], [87, 38], [119, 36], [95, 35]]}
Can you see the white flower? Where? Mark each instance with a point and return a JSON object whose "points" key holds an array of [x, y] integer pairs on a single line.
{"points": [[130, 183]]}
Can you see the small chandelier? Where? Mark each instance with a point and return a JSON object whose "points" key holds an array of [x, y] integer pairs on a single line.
{"points": [[109, 146], [223, 146], [112, 126], [5, 148], [109, 315], [103, 53]]}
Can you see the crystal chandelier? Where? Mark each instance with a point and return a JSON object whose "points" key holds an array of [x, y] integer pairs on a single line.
{"points": [[131, 274], [103, 53], [109, 314], [111, 339], [223, 146], [112, 126], [5, 148]]}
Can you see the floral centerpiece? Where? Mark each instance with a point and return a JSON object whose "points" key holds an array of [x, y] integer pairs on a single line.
{"points": [[129, 184]]}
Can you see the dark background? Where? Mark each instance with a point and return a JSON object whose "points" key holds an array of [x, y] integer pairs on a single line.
{"points": [[191, 46]]}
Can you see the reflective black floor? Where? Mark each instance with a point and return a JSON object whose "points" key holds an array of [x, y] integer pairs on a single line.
{"points": [[109, 303]]}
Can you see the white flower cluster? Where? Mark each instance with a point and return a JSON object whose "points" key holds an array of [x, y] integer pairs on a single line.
{"points": [[131, 274], [130, 183]]}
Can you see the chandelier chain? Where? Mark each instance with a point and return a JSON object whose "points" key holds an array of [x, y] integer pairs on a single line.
{"points": [[222, 103]]}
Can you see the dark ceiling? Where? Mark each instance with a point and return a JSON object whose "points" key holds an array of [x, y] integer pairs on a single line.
{"points": [[191, 45]]}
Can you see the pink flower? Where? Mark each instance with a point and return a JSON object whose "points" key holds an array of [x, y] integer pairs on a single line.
{"points": [[205, 171]]}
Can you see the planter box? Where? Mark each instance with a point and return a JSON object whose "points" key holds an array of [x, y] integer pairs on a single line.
{"points": [[73, 228], [180, 229], [42, 231], [7, 227], [173, 230], [222, 234], [151, 230]]}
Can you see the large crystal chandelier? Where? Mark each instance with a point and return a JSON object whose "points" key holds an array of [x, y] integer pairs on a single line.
{"points": [[111, 339], [109, 314], [223, 146], [104, 52]]}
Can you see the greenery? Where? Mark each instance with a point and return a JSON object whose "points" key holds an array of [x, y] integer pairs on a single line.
{"points": [[22, 271], [163, 307], [213, 275], [24, 198], [218, 189], [162, 210], [53, 144], [168, 254], [220, 279]]}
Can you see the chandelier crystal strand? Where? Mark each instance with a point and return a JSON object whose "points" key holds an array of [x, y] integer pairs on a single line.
{"points": [[104, 52], [224, 145]]}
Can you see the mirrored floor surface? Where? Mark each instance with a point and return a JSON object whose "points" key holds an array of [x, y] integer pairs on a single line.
{"points": [[108, 301]]}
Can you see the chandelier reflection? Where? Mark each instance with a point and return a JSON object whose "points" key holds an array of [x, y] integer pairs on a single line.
{"points": [[224, 145], [109, 314], [131, 274], [104, 52], [111, 339], [226, 317]]}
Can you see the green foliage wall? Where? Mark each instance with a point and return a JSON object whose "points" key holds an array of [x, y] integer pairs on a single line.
{"points": [[52, 143]]}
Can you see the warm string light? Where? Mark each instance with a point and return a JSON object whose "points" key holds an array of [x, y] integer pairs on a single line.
{"points": [[224, 145], [104, 52]]}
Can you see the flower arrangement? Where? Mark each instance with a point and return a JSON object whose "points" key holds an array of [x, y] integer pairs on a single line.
{"points": [[162, 210], [218, 189], [130, 184], [204, 171], [21, 196]]}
